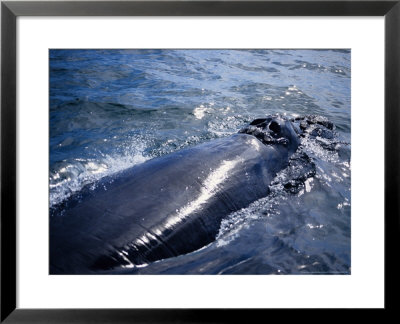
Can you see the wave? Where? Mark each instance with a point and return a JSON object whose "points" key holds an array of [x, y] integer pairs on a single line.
{"points": [[69, 177]]}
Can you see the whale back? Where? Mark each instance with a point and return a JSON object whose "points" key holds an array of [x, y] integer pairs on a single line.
{"points": [[165, 207]]}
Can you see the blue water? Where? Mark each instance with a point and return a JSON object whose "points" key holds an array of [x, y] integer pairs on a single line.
{"points": [[112, 109]]}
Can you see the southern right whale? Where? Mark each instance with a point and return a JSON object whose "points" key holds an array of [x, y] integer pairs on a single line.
{"points": [[169, 205]]}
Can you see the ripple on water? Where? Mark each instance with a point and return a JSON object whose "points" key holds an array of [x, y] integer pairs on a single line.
{"points": [[112, 109]]}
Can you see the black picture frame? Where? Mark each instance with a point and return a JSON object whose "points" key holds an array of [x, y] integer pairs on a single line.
{"points": [[10, 10]]}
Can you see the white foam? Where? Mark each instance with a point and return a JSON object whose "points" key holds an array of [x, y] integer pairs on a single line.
{"points": [[82, 172]]}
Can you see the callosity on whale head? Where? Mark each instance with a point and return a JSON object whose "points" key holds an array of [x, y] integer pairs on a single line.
{"points": [[274, 130]]}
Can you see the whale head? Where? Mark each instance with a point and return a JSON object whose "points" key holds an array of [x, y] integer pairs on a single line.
{"points": [[274, 130]]}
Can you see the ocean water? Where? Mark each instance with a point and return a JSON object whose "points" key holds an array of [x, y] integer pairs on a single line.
{"points": [[113, 109]]}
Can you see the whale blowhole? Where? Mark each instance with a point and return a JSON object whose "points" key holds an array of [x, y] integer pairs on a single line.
{"points": [[274, 126]]}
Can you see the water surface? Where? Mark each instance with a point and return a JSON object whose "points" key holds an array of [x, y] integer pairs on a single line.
{"points": [[112, 109]]}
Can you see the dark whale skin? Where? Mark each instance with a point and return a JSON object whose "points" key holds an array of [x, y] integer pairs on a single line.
{"points": [[167, 206]]}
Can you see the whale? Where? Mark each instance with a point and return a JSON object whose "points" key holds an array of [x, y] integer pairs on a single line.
{"points": [[170, 205]]}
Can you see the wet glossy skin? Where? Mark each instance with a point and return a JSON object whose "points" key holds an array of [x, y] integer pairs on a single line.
{"points": [[169, 205]]}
